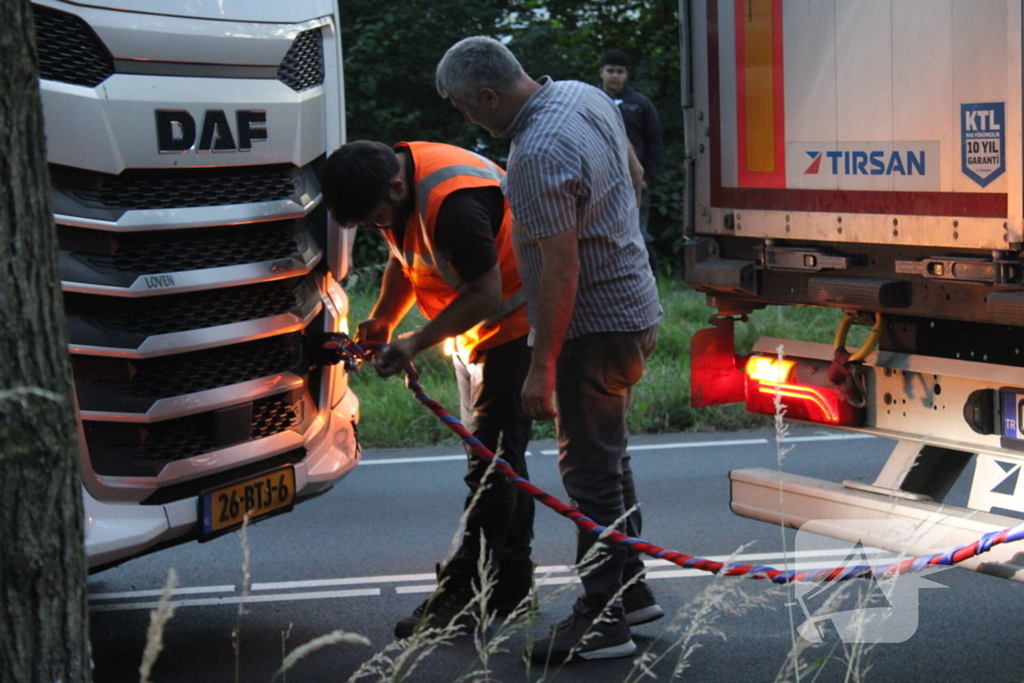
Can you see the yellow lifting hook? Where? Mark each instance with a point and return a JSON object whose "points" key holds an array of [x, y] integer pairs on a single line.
{"points": [[869, 344]]}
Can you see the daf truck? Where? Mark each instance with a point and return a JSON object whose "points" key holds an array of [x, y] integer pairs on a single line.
{"points": [[183, 140]]}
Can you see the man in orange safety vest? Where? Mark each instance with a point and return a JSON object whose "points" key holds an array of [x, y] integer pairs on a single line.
{"points": [[447, 228]]}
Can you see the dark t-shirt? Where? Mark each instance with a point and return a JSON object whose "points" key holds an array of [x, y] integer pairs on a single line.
{"points": [[467, 224], [466, 227]]}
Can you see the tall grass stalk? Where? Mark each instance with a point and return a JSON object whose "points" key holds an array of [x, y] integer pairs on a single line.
{"points": [[781, 432], [236, 632], [158, 619], [332, 638], [723, 596], [792, 666]]}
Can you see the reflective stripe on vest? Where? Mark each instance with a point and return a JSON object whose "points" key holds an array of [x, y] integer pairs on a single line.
{"points": [[427, 185], [440, 264]]}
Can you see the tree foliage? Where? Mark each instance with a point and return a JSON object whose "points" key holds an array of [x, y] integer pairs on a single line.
{"points": [[392, 48]]}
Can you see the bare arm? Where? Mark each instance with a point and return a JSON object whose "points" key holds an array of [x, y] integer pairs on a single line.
{"points": [[558, 281], [393, 302], [636, 174], [477, 301]]}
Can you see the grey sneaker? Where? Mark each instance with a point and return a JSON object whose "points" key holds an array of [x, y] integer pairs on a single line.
{"points": [[639, 605], [580, 637]]}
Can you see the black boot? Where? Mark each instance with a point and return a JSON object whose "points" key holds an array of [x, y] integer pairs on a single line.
{"points": [[515, 583], [447, 607]]}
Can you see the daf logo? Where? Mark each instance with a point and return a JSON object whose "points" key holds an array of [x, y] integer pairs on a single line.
{"points": [[176, 131]]}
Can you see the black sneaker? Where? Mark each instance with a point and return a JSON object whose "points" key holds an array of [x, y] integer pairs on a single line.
{"points": [[639, 605], [443, 609], [580, 637]]}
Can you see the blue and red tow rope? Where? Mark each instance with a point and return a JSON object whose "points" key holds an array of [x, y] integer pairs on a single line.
{"points": [[913, 564]]}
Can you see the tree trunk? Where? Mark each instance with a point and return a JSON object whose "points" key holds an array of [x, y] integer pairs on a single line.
{"points": [[43, 609]]}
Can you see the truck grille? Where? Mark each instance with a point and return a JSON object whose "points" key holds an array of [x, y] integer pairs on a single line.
{"points": [[273, 416], [127, 449], [246, 334], [179, 188], [132, 386], [174, 251], [193, 311], [69, 50], [303, 65]]}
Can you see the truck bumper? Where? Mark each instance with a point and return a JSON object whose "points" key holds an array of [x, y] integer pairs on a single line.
{"points": [[115, 532], [836, 511]]}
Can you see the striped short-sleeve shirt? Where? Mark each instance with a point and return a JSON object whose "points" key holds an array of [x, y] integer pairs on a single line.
{"points": [[569, 170]]}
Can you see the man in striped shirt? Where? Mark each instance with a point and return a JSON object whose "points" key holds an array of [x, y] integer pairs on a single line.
{"points": [[592, 305]]}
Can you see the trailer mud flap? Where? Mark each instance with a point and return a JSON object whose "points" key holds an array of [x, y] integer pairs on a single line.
{"points": [[715, 377]]}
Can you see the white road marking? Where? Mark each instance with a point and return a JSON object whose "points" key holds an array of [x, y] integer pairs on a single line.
{"points": [[688, 444], [425, 588], [639, 447], [405, 461], [733, 559], [677, 572], [235, 599], [155, 593], [546, 576], [323, 583], [793, 554], [828, 437]]}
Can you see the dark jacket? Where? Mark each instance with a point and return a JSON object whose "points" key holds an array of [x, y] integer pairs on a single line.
{"points": [[643, 128]]}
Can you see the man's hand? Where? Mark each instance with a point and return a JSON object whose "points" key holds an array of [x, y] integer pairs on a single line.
{"points": [[536, 396], [374, 331], [393, 359]]}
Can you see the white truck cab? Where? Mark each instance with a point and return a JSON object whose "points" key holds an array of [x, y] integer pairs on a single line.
{"points": [[183, 140]]}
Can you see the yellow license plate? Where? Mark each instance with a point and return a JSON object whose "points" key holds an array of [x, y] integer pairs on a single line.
{"points": [[225, 507]]}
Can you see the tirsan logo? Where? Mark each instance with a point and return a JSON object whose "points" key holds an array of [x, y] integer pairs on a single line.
{"points": [[176, 131], [869, 165], [876, 162]]}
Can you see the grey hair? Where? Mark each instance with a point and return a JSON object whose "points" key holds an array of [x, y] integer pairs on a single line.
{"points": [[474, 63]]}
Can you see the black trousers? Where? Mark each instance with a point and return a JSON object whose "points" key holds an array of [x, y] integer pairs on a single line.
{"points": [[491, 408], [594, 381]]}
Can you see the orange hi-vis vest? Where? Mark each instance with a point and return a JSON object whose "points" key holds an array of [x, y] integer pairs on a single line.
{"points": [[439, 170]]}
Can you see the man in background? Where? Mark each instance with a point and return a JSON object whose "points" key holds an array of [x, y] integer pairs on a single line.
{"points": [[643, 127]]}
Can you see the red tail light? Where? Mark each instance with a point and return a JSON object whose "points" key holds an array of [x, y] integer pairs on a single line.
{"points": [[802, 387]]}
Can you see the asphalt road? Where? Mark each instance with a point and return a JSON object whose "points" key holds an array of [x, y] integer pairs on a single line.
{"points": [[362, 556]]}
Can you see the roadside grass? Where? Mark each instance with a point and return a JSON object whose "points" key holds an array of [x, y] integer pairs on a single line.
{"points": [[391, 417]]}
